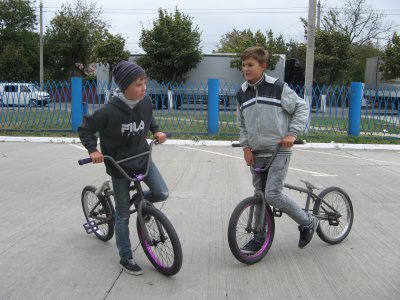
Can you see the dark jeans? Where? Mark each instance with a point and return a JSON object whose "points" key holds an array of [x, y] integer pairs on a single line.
{"points": [[158, 191]]}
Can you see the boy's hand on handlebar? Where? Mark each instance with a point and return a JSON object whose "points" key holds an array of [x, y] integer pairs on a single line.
{"points": [[248, 156], [97, 157], [287, 141], [160, 137]]}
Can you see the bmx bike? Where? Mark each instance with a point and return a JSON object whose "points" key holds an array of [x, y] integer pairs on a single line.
{"points": [[157, 236], [332, 206]]}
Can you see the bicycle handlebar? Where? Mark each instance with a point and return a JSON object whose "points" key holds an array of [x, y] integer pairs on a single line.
{"points": [[116, 164]]}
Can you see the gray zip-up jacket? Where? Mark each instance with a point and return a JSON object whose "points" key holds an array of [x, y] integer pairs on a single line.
{"points": [[268, 111]]}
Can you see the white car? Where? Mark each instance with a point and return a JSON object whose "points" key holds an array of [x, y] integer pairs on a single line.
{"points": [[22, 94]]}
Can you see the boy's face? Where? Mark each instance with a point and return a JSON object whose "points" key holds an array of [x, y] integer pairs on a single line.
{"points": [[136, 90], [252, 69]]}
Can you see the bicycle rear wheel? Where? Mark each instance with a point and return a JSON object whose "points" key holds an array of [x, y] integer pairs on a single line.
{"points": [[242, 229], [100, 210], [165, 253], [336, 215]]}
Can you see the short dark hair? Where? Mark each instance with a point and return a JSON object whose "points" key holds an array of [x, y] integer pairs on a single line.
{"points": [[258, 53]]}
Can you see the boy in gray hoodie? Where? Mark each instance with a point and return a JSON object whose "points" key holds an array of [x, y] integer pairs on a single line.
{"points": [[270, 113]]}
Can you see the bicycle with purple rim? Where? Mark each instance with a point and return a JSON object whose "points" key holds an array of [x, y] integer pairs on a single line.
{"points": [[332, 206], [157, 236]]}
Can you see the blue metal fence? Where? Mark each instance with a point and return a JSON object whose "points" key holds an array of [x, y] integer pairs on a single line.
{"points": [[184, 107]]}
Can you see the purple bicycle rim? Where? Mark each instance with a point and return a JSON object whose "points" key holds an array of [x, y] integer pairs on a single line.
{"points": [[266, 242], [152, 254]]}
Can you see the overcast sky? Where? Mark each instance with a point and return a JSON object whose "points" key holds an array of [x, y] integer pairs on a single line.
{"points": [[215, 18]]}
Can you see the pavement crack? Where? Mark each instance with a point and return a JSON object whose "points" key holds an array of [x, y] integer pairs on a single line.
{"points": [[112, 285]]}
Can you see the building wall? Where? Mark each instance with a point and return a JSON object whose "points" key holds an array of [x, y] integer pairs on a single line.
{"points": [[211, 66]]}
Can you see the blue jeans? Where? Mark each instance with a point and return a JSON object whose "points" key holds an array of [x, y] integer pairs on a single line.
{"points": [[158, 191]]}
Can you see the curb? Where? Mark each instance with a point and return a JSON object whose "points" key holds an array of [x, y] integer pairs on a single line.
{"points": [[338, 146]]}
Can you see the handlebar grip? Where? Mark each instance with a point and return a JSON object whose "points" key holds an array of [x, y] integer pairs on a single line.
{"points": [[168, 134], [84, 161], [298, 142]]}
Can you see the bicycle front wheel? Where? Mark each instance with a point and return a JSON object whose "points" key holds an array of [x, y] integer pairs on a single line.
{"points": [[242, 229], [335, 213], [165, 251], [99, 210]]}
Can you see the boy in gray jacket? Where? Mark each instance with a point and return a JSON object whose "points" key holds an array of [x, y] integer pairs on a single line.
{"points": [[270, 113]]}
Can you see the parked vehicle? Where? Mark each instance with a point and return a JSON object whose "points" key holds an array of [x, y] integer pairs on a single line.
{"points": [[22, 94]]}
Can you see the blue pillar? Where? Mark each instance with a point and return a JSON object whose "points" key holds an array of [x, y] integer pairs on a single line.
{"points": [[356, 94], [213, 106], [76, 103]]}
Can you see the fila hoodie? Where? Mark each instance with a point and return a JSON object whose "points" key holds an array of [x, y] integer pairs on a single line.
{"points": [[122, 132]]}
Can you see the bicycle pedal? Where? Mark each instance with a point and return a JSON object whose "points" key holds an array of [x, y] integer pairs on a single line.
{"points": [[90, 227], [277, 212]]}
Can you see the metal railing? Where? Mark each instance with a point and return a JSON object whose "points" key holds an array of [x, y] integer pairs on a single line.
{"points": [[182, 108]]}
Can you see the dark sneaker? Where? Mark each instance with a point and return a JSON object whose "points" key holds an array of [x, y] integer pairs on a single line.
{"points": [[130, 266], [306, 233], [252, 246]]}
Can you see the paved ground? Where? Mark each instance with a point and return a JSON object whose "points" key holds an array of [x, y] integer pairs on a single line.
{"points": [[45, 253]]}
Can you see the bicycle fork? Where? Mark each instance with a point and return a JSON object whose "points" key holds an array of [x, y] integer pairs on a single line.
{"points": [[257, 227], [142, 222]]}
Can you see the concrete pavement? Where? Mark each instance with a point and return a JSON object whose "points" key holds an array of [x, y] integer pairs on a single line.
{"points": [[45, 253]]}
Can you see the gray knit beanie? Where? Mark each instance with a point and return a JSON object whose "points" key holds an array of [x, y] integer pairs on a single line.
{"points": [[126, 72]]}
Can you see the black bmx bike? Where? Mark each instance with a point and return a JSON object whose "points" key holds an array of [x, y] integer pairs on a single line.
{"points": [[157, 236], [332, 206]]}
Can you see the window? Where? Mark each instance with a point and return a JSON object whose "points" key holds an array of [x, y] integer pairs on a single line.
{"points": [[11, 88]]}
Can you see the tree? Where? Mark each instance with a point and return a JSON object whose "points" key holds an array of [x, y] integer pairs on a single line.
{"points": [[359, 54], [358, 21], [172, 47], [237, 41], [70, 38], [331, 57], [19, 45], [109, 50], [391, 58]]}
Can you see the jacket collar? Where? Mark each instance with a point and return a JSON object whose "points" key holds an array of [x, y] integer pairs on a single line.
{"points": [[268, 79]]}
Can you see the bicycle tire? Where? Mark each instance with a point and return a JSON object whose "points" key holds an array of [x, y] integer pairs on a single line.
{"points": [[238, 235], [104, 209], [166, 253], [328, 231]]}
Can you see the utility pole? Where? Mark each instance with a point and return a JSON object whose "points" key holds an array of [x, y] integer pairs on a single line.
{"points": [[318, 15], [310, 52], [41, 46]]}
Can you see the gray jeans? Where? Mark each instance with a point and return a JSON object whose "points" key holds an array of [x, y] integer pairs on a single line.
{"points": [[274, 186]]}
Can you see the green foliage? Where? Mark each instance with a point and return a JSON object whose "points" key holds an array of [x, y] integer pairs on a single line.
{"points": [[109, 50], [16, 15], [237, 41], [391, 57], [171, 46], [19, 45], [332, 57], [70, 38], [359, 53]]}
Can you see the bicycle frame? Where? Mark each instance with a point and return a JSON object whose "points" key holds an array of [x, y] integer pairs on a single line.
{"points": [[105, 189], [309, 190]]}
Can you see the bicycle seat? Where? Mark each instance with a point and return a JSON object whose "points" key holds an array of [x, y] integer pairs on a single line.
{"points": [[309, 185]]}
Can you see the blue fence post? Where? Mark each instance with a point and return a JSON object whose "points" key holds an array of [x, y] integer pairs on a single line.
{"points": [[76, 103], [213, 106], [356, 94]]}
